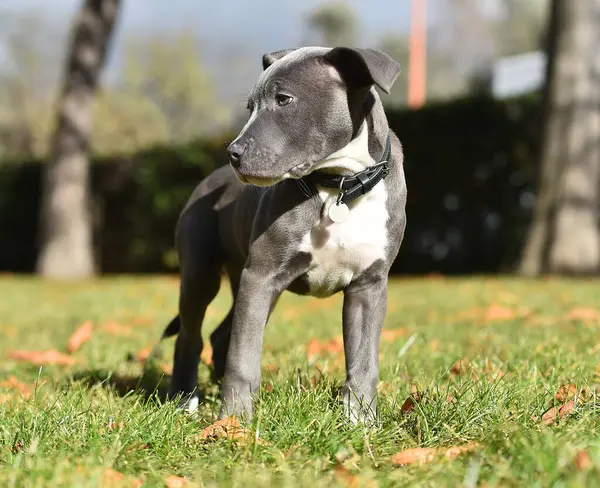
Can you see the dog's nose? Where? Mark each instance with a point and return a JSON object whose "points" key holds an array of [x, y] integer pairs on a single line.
{"points": [[236, 151]]}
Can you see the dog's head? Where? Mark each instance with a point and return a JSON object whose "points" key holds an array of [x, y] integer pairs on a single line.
{"points": [[307, 104]]}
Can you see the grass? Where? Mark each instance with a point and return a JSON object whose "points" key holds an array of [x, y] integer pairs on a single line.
{"points": [[521, 341]]}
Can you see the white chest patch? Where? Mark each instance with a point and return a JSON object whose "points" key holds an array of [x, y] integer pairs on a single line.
{"points": [[342, 251]]}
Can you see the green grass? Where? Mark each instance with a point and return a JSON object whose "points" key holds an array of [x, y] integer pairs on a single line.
{"points": [[82, 420]]}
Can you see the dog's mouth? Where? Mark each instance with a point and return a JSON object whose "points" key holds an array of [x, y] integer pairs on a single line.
{"points": [[297, 172], [256, 180]]}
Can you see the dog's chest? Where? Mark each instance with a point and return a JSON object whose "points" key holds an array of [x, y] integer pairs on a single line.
{"points": [[341, 251]]}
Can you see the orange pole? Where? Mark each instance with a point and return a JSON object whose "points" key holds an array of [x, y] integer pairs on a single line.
{"points": [[417, 54]]}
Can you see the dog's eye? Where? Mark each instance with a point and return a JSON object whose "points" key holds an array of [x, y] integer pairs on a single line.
{"points": [[282, 99]]}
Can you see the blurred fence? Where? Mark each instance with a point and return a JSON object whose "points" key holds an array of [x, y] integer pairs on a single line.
{"points": [[469, 167]]}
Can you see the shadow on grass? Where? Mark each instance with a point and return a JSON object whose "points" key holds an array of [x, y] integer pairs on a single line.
{"points": [[152, 384]]}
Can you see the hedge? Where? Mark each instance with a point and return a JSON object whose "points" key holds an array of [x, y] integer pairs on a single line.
{"points": [[469, 173]]}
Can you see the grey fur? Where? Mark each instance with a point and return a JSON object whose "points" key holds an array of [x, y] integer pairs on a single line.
{"points": [[254, 231]]}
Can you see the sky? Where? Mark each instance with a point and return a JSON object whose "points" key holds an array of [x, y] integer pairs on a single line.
{"points": [[261, 23], [234, 28]]}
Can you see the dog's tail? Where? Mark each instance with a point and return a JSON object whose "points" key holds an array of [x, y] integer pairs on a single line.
{"points": [[172, 329]]}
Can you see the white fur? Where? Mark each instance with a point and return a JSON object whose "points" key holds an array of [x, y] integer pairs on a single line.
{"points": [[192, 405], [341, 251]]}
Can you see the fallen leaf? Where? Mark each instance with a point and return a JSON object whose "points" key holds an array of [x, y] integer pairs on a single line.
{"points": [[565, 392], [390, 335], [434, 345], [583, 461], [411, 401], [144, 354], [166, 368], [82, 334], [268, 387], [335, 345], [555, 413], [42, 358], [228, 428], [207, 355], [173, 481], [110, 478], [271, 368], [460, 367], [497, 312], [12, 383], [114, 328], [316, 347], [345, 477], [415, 455], [422, 455], [142, 320], [583, 314]]}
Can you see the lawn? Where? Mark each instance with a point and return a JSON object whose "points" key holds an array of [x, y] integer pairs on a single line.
{"points": [[484, 358]]}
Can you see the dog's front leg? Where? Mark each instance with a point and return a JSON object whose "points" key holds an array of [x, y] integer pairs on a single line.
{"points": [[363, 314], [253, 303]]}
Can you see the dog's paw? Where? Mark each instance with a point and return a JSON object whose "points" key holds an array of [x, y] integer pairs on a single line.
{"points": [[191, 405], [357, 411]]}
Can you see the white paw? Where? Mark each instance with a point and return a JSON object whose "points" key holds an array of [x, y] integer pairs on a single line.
{"points": [[192, 405]]}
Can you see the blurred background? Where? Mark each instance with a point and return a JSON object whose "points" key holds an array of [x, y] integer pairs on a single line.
{"points": [[111, 111]]}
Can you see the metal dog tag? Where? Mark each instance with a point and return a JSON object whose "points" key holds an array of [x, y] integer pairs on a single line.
{"points": [[338, 212]]}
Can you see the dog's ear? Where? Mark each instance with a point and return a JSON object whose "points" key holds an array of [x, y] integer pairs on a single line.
{"points": [[269, 58], [361, 68]]}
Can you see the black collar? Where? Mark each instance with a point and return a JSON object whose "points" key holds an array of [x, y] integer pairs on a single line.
{"points": [[353, 186]]}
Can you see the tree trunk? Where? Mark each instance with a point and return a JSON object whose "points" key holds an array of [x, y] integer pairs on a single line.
{"points": [[564, 235], [66, 224]]}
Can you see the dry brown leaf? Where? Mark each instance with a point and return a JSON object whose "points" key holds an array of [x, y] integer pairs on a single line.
{"points": [[415, 455], [166, 368], [316, 347], [82, 334], [565, 392], [142, 320], [555, 413], [144, 354], [335, 345], [584, 314], [110, 478], [173, 481], [422, 455], [114, 328], [583, 461], [228, 428], [42, 358], [207, 354], [271, 368], [455, 451], [411, 401], [460, 367], [345, 477], [497, 313], [12, 383], [390, 335]]}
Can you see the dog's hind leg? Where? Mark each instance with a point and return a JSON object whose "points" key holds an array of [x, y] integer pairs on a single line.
{"points": [[201, 265], [220, 337]]}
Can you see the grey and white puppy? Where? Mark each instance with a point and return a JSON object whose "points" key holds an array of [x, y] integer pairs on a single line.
{"points": [[273, 227]]}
